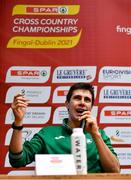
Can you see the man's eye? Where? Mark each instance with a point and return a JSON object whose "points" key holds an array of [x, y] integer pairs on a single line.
{"points": [[87, 100], [77, 97]]}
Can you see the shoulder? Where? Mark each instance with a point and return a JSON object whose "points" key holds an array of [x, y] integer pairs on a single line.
{"points": [[103, 134], [102, 131], [50, 129]]}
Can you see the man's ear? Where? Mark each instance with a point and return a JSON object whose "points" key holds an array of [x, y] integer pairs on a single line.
{"points": [[67, 104]]}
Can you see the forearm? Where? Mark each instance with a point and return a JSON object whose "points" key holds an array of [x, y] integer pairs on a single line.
{"points": [[18, 106], [107, 158], [16, 150], [16, 140]]}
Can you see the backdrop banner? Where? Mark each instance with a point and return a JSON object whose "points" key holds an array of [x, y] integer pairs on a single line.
{"points": [[46, 46]]}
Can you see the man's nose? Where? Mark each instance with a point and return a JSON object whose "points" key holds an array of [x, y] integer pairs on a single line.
{"points": [[82, 101]]}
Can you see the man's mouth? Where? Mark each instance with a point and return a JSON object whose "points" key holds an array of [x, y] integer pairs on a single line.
{"points": [[80, 110]]}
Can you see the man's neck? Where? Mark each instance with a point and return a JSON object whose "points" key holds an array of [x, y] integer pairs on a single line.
{"points": [[73, 123]]}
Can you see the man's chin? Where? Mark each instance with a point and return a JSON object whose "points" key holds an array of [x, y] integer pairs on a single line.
{"points": [[76, 119]]}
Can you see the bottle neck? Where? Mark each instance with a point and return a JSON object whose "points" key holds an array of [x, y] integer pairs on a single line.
{"points": [[77, 130]]}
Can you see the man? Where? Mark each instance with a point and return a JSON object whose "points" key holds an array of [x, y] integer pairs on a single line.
{"points": [[79, 102]]}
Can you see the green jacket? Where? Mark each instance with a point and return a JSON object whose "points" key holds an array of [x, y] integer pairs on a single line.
{"points": [[57, 140]]}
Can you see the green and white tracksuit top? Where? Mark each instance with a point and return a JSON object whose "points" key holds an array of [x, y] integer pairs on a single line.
{"points": [[57, 140]]}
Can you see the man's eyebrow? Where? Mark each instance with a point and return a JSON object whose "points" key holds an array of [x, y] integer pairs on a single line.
{"points": [[77, 95]]}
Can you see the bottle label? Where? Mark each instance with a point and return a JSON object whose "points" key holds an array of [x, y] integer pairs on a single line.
{"points": [[79, 153]]}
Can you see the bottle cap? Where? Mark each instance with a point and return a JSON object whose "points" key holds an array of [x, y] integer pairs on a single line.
{"points": [[77, 130]]}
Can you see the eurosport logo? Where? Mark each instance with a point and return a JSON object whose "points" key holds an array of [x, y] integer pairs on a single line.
{"points": [[66, 74], [28, 74], [116, 114], [115, 94], [115, 74]]}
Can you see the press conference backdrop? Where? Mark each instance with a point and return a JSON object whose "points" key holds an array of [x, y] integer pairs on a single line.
{"points": [[46, 46]]}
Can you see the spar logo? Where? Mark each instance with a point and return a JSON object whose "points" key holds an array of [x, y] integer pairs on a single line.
{"points": [[117, 113], [48, 9], [28, 74]]}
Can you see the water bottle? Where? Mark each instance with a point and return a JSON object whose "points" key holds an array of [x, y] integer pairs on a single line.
{"points": [[78, 148]]}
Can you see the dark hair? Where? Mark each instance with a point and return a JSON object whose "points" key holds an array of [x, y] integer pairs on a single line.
{"points": [[85, 86]]}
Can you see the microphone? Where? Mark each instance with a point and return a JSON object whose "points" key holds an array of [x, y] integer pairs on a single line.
{"points": [[83, 122]]}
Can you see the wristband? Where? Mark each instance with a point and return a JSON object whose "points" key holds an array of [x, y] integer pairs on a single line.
{"points": [[16, 127]]}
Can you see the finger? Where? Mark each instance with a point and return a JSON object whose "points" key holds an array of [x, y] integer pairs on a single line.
{"points": [[85, 116], [18, 106], [86, 112], [91, 121], [20, 96], [17, 95], [19, 103]]}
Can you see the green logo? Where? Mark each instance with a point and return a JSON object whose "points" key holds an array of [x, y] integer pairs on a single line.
{"points": [[63, 10], [43, 73]]}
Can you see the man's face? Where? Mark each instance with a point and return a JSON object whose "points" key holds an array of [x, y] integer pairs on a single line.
{"points": [[80, 101]]}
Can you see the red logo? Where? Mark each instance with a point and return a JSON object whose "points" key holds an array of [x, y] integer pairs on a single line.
{"points": [[25, 73], [56, 160], [62, 92], [42, 10], [117, 113]]}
